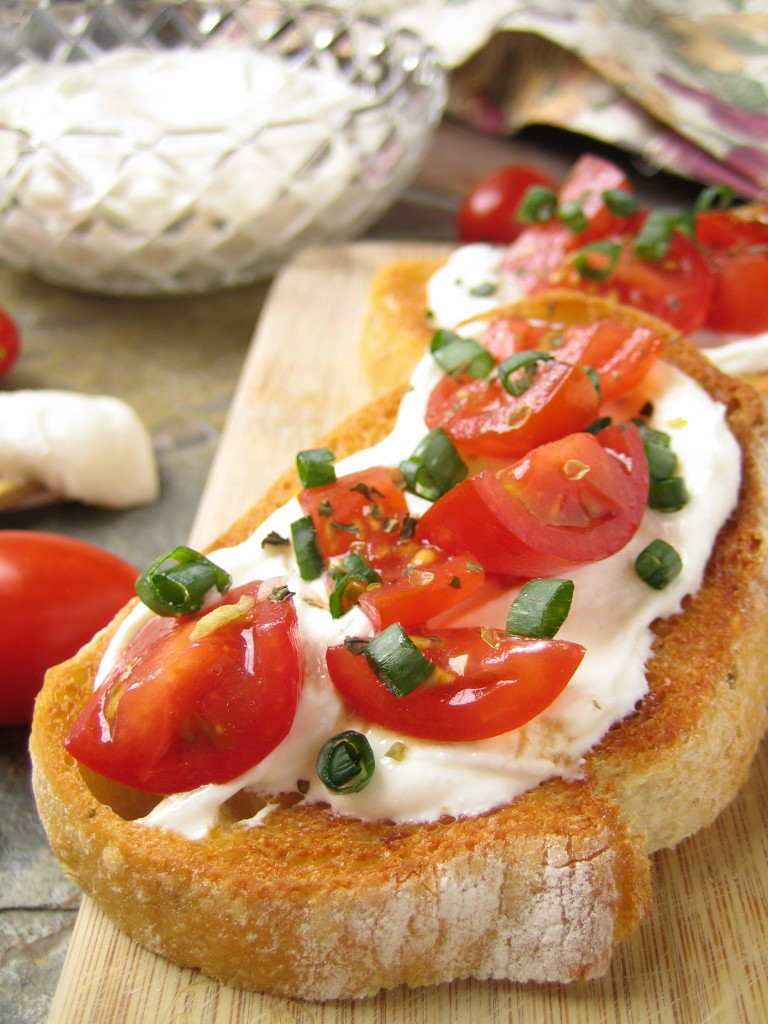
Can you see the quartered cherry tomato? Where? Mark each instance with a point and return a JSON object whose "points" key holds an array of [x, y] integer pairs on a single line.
{"points": [[55, 593], [481, 417], [735, 244], [578, 499], [189, 705], [486, 683], [589, 244], [675, 287], [620, 354], [10, 342], [428, 588], [364, 510], [488, 212]]}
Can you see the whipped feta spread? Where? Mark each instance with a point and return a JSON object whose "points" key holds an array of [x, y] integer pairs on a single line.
{"points": [[471, 282], [89, 448], [611, 616]]}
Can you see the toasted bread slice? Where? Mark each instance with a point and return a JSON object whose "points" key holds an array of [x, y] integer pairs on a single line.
{"points": [[310, 904]]}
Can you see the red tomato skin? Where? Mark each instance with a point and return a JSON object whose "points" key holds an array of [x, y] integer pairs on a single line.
{"points": [[426, 591], [736, 247], [177, 713], [10, 343], [56, 592], [481, 418], [367, 513], [500, 524], [507, 685], [488, 212]]}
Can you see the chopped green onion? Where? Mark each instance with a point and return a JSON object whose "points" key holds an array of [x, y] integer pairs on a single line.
{"points": [[483, 290], [668, 495], [397, 661], [435, 466], [620, 202], [456, 355], [573, 216], [315, 467], [306, 548], [594, 376], [180, 588], [714, 197], [653, 239], [658, 564], [662, 461], [540, 609], [598, 425], [353, 575], [667, 491], [346, 763], [527, 361], [537, 206], [598, 260]]}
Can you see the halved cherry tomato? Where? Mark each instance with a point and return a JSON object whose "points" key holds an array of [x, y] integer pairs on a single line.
{"points": [[487, 683], [482, 418], [735, 244], [182, 710], [427, 589], [578, 499], [488, 212], [362, 509], [676, 287], [55, 593], [10, 342], [620, 355]]}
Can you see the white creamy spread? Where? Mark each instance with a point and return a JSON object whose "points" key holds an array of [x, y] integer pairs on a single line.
{"points": [[149, 161], [89, 448], [611, 615], [456, 292]]}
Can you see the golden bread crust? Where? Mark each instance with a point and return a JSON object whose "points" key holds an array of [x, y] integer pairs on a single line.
{"points": [[313, 905]]}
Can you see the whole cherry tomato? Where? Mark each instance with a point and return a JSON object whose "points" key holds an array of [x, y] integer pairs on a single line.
{"points": [[488, 212], [55, 593]]}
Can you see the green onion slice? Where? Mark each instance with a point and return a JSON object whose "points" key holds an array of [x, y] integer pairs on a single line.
{"points": [[597, 261], [540, 609], [456, 355], [658, 564], [306, 548], [537, 206], [346, 763], [484, 289], [662, 461], [669, 495], [528, 361], [573, 216], [315, 467], [177, 583], [397, 661], [352, 576], [653, 239], [620, 202], [435, 466], [714, 197]]}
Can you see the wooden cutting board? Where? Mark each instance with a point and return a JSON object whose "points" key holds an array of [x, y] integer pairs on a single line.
{"points": [[700, 958]]}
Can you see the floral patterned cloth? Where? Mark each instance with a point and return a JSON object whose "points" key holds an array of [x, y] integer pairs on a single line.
{"points": [[683, 83]]}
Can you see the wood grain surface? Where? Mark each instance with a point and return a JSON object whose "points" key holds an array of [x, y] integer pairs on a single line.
{"points": [[702, 955]]}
